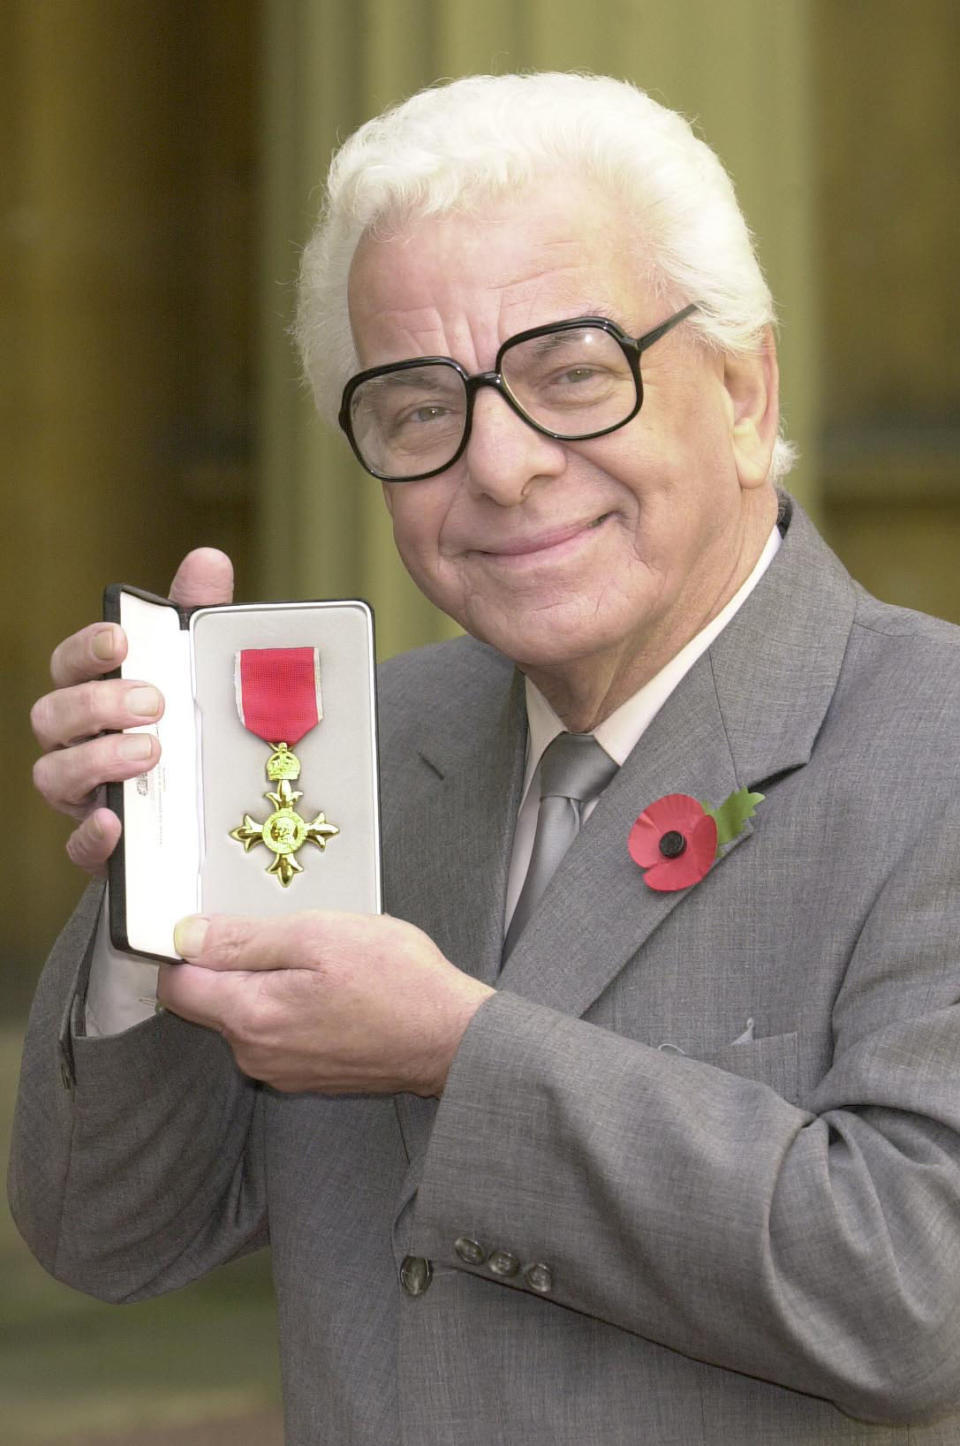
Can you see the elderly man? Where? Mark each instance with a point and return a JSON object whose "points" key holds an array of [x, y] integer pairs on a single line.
{"points": [[636, 1119]]}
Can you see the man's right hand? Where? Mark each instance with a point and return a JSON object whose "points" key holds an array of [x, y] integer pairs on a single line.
{"points": [[79, 725]]}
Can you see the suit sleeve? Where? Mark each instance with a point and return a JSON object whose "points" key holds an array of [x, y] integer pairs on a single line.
{"points": [[137, 1159], [816, 1245]]}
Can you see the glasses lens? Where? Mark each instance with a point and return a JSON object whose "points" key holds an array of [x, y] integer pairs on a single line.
{"points": [[572, 382], [409, 421]]}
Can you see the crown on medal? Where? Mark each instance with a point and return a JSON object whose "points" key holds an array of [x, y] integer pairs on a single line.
{"points": [[282, 763]]}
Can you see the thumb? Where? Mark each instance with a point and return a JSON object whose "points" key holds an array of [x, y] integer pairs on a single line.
{"points": [[204, 577]]}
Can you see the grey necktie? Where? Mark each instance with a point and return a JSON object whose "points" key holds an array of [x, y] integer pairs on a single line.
{"points": [[573, 770]]}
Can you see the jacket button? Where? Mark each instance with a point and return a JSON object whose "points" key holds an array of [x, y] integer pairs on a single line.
{"points": [[501, 1262], [539, 1277], [415, 1274], [471, 1252]]}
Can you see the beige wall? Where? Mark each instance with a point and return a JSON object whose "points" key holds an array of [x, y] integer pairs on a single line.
{"points": [[127, 285], [159, 168], [888, 130]]}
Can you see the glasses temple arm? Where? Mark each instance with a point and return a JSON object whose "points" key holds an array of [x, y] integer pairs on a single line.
{"points": [[658, 331]]}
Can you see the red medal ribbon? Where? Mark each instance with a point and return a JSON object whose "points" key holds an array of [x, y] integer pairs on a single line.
{"points": [[278, 692]]}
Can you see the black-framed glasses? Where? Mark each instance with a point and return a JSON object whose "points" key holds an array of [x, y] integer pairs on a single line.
{"points": [[570, 380]]}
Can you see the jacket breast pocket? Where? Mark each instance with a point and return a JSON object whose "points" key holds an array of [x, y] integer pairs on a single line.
{"points": [[773, 1061]]}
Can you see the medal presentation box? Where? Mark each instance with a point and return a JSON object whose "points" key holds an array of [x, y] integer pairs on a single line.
{"points": [[232, 819]]}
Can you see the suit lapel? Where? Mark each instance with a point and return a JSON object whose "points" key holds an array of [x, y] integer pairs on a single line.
{"points": [[750, 709], [597, 911], [464, 821]]}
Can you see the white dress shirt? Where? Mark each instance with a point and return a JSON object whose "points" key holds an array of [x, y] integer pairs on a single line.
{"points": [[123, 987]]}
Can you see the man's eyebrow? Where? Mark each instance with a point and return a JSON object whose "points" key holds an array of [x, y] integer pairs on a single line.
{"points": [[429, 377], [543, 344]]}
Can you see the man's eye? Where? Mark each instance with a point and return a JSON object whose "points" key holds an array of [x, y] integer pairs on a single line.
{"points": [[578, 374], [419, 416], [581, 377], [422, 425]]}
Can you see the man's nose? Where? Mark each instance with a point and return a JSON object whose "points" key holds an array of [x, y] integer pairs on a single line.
{"points": [[505, 456]]}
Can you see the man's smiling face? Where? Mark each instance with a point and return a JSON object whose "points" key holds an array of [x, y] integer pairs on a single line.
{"points": [[598, 558]]}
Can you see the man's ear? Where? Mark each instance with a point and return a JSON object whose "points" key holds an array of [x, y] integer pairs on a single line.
{"points": [[753, 387]]}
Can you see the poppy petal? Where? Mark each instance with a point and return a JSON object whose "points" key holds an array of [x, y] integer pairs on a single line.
{"points": [[692, 865], [674, 812]]}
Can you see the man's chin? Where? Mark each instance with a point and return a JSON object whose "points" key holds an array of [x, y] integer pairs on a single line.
{"points": [[539, 644]]}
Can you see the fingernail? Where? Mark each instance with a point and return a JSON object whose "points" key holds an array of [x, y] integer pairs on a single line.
{"points": [[145, 702], [135, 746], [189, 935], [104, 646]]}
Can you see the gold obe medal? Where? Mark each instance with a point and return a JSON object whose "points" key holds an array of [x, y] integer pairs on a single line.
{"points": [[278, 697]]}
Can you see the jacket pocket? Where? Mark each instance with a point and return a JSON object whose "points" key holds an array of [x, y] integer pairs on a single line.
{"points": [[773, 1060]]}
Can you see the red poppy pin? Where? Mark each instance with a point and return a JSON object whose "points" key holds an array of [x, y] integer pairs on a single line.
{"points": [[676, 839]]}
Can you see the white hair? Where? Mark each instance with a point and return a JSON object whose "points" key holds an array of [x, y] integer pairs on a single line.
{"points": [[452, 146]]}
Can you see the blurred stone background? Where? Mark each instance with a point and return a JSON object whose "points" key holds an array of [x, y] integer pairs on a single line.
{"points": [[159, 166]]}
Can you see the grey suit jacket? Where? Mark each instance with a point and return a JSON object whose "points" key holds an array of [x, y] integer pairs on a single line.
{"points": [[723, 1124]]}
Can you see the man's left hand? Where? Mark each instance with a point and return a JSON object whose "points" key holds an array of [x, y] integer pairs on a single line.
{"points": [[323, 1001]]}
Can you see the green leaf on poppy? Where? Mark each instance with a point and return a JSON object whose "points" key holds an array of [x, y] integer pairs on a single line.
{"points": [[732, 814]]}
